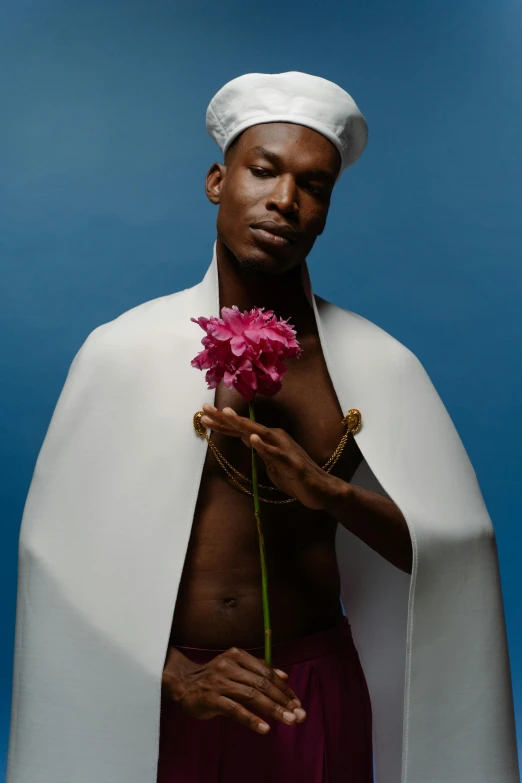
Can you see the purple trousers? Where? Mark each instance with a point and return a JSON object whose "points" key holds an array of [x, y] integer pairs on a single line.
{"points": [[332, 745]]}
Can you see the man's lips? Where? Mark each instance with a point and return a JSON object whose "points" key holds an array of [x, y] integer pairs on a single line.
{"points": [[277, 229], [270, 240]]}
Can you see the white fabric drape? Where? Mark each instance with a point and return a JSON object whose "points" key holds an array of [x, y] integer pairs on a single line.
{"points": [[107, 523]]}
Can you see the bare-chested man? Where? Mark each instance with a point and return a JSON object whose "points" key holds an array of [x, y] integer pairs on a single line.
{"points": [[140, 646], [273, 194]]}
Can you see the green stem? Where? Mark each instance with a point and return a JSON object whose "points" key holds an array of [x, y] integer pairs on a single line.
{"points": [[264, 579]]}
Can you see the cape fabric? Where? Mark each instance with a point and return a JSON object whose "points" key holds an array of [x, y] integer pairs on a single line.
{"points": [[107, 523]]}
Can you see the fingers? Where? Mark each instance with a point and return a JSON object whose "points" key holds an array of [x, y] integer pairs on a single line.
{"points": [[264, 448], [219, 422], [258, 667], [250, 682], [227, 422], [269, 684], [218, 426], [233, 682], [249, 427], [237, 712], [230, 419], [256, 693]]}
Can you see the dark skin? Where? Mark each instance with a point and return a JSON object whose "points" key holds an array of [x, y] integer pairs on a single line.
{"points": [[283, 172]]}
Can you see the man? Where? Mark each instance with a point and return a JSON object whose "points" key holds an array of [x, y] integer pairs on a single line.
{"points": [[131, 515], [273, 194]]}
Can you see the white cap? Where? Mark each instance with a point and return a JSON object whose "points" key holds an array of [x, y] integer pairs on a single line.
{"points": [[256, 98]]}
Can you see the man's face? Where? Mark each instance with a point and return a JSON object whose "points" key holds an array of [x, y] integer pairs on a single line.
{"points": [[279, 172]]}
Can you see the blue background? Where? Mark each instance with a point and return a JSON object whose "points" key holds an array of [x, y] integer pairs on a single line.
{"points": [[104, 151]]}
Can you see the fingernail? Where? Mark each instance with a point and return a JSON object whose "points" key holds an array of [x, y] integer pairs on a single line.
{"points": [[288, 715], [301, 714], [281, 673], [263, 727]]}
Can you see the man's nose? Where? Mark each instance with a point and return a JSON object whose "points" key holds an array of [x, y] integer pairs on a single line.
{"points": [[284, 194]]}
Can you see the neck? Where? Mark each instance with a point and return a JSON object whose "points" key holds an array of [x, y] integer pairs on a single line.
{"points": [[283, 294]]}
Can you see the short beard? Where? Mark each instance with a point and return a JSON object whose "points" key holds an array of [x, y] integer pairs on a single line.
{"points": [[250, 266], [253, 266]]}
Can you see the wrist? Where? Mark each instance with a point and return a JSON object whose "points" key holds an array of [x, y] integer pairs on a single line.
{"points": [[337, 495], [174, 678]]}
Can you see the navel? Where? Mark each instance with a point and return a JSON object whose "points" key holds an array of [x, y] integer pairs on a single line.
{"points": [[230, 602]]}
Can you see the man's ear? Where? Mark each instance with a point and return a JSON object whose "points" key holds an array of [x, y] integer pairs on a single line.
{"points": [[214, 181]]}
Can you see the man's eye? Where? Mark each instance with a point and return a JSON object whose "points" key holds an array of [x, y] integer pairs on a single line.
{"points": [[263, 173]]}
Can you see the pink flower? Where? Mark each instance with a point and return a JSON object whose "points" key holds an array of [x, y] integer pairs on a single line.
{"points": [[246, 350]]}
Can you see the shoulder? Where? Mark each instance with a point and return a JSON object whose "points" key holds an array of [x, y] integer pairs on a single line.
{"points": [[381, 349], [137, 330]]}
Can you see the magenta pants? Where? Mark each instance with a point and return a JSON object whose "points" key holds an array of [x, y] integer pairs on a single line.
{"points": [[332, 745]]}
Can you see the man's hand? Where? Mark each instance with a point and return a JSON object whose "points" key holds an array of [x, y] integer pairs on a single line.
{"points": [[375, 519], [288, 465], [228, 682]]}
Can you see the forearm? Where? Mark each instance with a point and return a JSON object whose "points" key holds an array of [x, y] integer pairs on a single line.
{"points": [[374, 519]]}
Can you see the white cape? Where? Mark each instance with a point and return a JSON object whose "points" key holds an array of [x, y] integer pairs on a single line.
{"points": [[107, 523]]}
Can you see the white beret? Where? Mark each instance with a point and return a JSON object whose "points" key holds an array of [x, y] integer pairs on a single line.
{"points": [[256, 98]]}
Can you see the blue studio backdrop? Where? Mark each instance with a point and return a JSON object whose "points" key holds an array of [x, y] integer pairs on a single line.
{"points": [[104, 152]]}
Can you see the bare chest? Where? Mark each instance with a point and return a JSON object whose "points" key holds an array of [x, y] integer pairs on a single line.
{"points": [[307, 408], [219, 596]]}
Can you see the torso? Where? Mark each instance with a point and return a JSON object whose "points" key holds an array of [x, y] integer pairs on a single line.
{"points": [[219, 599]]}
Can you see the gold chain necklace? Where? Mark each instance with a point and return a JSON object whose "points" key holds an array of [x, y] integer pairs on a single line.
{"points": [[352, 422]]}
